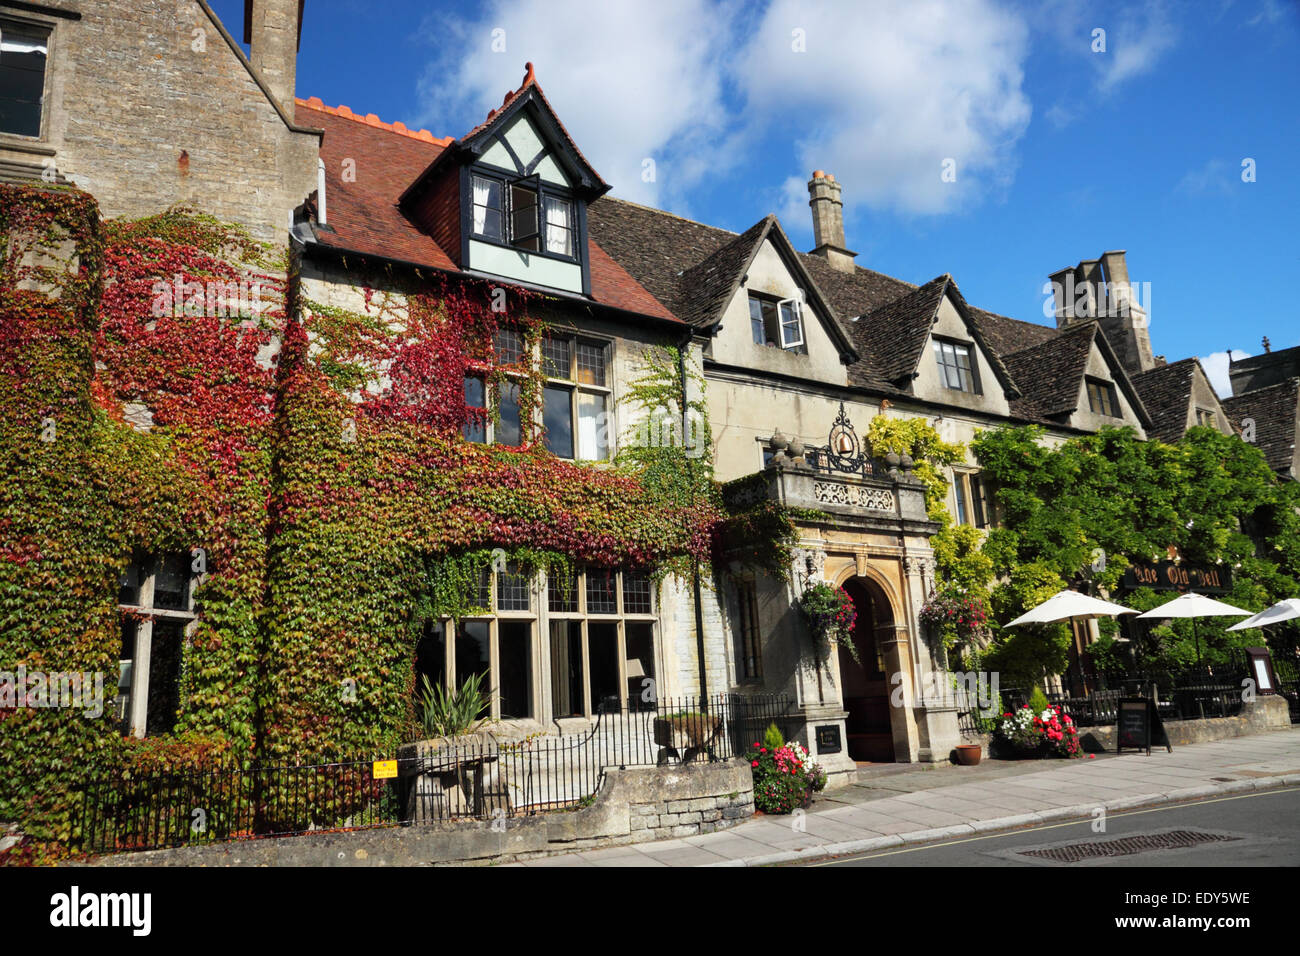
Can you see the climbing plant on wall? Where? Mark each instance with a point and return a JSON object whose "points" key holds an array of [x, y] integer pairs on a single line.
{"points": [[314, 458]]}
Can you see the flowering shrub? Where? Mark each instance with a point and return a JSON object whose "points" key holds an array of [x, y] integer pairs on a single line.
{"points": [[1049, 733], [959, 616], [785, 777], [831, 615]]}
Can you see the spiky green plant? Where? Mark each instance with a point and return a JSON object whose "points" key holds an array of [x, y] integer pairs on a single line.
{"points": [[454, 713]]}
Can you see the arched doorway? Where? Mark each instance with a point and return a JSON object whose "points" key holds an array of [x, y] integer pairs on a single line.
{"points": [[865, 686]]}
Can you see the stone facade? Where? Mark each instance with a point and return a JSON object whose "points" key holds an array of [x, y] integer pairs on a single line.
{"points": [[152, 103]]}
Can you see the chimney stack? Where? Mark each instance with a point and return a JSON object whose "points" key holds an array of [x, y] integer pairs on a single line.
{"points": [[271, 30], [1098, 290], [828, 221]]}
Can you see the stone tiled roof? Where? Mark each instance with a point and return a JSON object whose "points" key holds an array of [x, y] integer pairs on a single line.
{"points": [[1274, 410], [706, 288], [658, 249], [1167, 393], [1051, 373], [364, 216], [892, 337]]}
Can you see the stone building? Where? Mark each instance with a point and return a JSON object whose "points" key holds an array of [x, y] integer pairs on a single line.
{"points": [[1265, 405], [149, 103], [797, 351]]}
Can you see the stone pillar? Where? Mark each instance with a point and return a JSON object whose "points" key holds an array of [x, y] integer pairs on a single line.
{"points": [[936, 707]]}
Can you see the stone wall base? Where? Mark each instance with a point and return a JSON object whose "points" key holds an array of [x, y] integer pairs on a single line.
{"points": [[1263, 715], [636, 805]]}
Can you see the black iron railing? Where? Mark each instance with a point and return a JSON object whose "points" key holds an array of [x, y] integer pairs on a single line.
{"points": [[421, 783]]}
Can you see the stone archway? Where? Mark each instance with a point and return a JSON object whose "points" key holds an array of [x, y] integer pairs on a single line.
{"points": [[865, 683]]}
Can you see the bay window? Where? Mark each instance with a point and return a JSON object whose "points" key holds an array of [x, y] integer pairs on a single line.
{"points": [[601, 642], [590, 646]]}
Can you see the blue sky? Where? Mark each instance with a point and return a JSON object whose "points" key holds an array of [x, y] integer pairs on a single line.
{"points": [[1061, 149]]}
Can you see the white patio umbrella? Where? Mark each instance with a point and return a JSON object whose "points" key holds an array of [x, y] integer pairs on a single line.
{"points": [[1279, 612], [1065, 605], [1192, 605]]}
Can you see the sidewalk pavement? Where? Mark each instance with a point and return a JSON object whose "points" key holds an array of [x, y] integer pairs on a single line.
{"points": [[902, 803]]}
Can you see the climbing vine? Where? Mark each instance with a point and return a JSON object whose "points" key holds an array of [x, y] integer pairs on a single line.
{"points": [[312, 455]]}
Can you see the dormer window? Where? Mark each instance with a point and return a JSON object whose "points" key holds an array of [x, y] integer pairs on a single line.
{"points": [[777, 323], [524, 214], [1102, 398], [956, 370], [489, 212]]}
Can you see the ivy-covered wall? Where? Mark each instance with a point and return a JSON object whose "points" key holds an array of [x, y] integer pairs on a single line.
{"points": [[332, 519]]}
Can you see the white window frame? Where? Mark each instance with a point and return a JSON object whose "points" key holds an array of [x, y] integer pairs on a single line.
{"points": [[576, 389], [132, 707], [796, 311]]}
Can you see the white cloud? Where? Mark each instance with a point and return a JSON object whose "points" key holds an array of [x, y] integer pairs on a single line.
{"points": [[1059, 116], [1216, 176], [886, 91], [1135, 42], [882, 96], [629, 81], [1216, 369]]}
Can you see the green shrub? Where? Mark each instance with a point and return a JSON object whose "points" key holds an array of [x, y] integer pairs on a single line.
{"points": [[772, 738], [1038, 701]]}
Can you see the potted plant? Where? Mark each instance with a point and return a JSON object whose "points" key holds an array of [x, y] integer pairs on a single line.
{"points": [[1028, 733], [785, 776], [687, 732]]}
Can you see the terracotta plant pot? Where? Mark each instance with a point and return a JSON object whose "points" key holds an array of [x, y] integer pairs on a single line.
{"points": [[968, 755]]}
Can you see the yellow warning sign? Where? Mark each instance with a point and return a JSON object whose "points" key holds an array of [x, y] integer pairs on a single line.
{"points": [[385, 769]]}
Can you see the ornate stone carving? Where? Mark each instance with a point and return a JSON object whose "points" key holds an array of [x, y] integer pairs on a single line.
{"points": [[837, 493], [918, 566]]}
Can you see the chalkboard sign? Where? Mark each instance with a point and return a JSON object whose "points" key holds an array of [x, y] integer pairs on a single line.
{"points": [[1138, 726]]}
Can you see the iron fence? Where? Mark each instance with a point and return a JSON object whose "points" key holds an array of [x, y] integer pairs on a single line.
{"points": [[423, 783]]}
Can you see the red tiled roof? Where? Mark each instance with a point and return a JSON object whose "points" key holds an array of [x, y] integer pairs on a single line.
{"points": [[387, 158]]}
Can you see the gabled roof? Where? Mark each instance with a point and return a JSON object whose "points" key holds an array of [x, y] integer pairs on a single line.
{"points": [[894, 336], [1166, 391], [1051, 373], [698, 268], [1274, 409], [528, 98], [364, 217]]}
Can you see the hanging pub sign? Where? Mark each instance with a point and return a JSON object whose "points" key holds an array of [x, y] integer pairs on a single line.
{"points": [[1138, 726], [1168, 576]]}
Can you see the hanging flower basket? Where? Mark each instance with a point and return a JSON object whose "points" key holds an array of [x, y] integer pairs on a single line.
{"points": [[831, 615], [958, 616]]}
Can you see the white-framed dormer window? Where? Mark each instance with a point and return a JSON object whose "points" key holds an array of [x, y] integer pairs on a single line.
{"points": [[777, 323], [24, 60]]}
